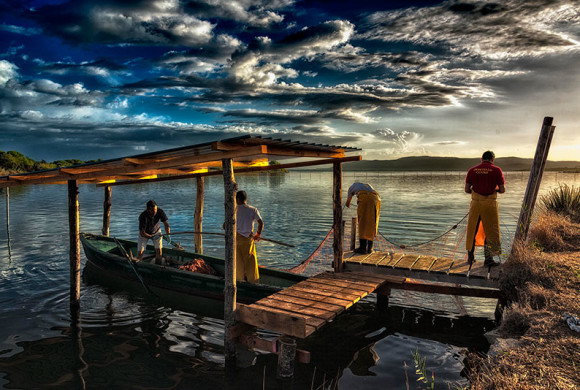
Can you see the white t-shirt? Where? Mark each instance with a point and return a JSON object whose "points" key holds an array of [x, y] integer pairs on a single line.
{"points": [[357, 187], [245, 218]]}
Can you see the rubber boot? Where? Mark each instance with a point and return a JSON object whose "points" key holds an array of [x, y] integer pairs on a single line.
{"points": [[489, 261], [363, 246], [470, 257], [369, 246]]}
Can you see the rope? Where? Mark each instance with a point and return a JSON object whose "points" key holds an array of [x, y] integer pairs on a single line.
{"points": [[428, 241]]}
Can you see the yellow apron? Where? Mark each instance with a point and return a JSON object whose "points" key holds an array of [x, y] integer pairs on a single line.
{"points": [[483, 219], [246, 259], [367, 211]]}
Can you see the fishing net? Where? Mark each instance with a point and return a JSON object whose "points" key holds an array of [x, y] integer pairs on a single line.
{"points": [[444, 241]]}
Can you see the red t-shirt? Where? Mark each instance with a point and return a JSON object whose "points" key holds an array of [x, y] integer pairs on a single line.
{"points": [[484, 178]]}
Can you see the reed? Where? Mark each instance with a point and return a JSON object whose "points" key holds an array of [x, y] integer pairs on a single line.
{"points": [[564, 200]]}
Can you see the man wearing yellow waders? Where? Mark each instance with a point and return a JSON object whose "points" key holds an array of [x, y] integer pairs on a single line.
{"points": [[483, 182], [368, 208], [246, 259]]}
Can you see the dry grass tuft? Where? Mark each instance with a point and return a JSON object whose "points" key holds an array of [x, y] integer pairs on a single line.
{"points": [[515, 320], [542, 281], [554, 233]]}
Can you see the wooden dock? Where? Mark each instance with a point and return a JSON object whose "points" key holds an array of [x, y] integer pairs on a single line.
{"points": [[425, 268], [305, 307]]}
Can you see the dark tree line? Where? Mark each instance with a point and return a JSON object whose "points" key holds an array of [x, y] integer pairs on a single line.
{"points": [[13, 161]]}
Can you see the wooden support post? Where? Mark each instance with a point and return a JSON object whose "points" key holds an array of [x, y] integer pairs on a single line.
{"points": [[337, 216], [75, 248], [383, 294], [107, 211], [230, 289], [353, 232], [198, 216], [8, 224], [286, 357], [535, 179]]}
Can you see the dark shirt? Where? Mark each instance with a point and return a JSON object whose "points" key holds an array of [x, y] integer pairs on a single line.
{"points": [[150, 224], [484, 178]]}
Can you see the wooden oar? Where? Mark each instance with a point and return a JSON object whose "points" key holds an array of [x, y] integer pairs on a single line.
{"points": [[223, 234], [124, 252]]}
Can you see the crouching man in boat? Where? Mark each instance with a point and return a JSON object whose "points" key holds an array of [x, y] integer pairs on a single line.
{"points": [[483, 182], [368, 209], [149, 229], [246, 258]]}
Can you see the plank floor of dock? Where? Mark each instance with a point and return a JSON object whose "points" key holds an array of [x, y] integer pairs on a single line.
{"points": [[305, 307], [431, 268]]}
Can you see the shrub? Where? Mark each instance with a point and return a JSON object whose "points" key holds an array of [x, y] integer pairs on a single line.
{"points": [[563, 200]]}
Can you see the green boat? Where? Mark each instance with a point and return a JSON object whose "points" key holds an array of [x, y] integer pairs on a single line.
{"points": [[106, 255]]}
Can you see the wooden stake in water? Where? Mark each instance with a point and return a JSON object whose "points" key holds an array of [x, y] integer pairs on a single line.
{"points": [[535, 179], [8, 223]]}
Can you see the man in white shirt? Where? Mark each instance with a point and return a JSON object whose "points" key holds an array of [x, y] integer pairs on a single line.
{"points": [[246, 258], [368, 209]]}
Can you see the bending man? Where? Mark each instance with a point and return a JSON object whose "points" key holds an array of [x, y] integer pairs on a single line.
{"points": [[483, 182], [246, 258], [368, 209], [149, 229]]}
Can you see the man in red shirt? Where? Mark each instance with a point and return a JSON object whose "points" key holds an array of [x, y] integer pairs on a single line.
{"points": [[483, 182]]}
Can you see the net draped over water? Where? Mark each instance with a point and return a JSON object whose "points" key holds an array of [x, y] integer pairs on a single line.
{"points": [[449, 243]]}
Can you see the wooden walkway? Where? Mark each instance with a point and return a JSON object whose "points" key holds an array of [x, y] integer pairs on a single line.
{"points": [[305, 307], [430, 268]]}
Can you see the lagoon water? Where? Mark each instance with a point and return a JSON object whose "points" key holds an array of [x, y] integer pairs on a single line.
{"points": [[128, 340]]}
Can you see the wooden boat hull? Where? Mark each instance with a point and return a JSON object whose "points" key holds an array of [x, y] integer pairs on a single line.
{"points": [[102, 252]]}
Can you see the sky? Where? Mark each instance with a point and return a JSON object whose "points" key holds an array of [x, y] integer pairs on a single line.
{"points": [[104, 79]]}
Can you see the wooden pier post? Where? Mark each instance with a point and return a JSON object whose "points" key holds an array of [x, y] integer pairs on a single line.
{"points": [[198, 216], [75, 249], [107, 211], [230, 289], [383, 294], [286, 357], [353, 232], [337, 214], [535, 179], [8, 224]]}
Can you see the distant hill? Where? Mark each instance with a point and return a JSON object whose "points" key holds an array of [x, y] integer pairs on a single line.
{"points": [[426, 163], [15, 162]]}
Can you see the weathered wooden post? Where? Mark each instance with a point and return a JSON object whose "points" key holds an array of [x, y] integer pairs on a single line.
{"points": [[230, 289], [535, 179], [286, 357], [75, 249], [353, 228], [8, 223], [337, 215], [107, 211], [198, 216]]}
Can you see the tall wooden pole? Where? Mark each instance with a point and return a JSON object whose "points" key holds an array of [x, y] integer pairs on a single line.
{"points": [[337, 215], [198, 216], [535, 179], [75, 249], [230, 289], [8, 223], [107, 211]]}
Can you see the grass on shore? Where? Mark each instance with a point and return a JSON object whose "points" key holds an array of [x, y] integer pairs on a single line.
{"points": [[542, 280]]}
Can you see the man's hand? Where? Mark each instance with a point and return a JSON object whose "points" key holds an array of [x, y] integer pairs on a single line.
{"points": [[257, 237], [168, 236]]}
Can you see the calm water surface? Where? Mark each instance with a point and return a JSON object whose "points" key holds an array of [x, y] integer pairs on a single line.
{"points": [[126, 340]]}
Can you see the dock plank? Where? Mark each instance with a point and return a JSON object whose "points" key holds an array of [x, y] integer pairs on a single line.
{"points": [[296, 308], [359, 281], [406, 262], [330, 293], [292, 325], [374, 258], [442, 265], [390, 260], [459, 267], [323, 299], [424, 263], [308, 302]]}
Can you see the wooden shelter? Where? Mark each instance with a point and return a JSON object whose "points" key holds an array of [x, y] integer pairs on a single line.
{"points": [[223, 157]]}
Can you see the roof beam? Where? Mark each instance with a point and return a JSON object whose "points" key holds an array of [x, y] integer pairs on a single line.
{"points": [[240, 170], [258, 150]]}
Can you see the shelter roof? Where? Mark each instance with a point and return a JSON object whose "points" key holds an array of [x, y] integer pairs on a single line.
{"points": [[187, 161]]}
